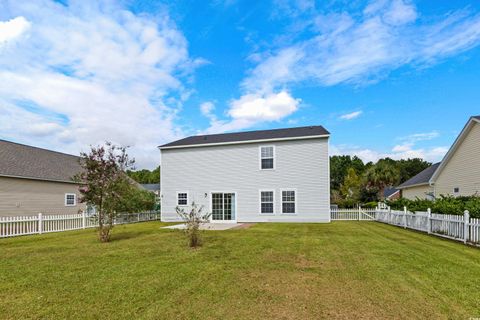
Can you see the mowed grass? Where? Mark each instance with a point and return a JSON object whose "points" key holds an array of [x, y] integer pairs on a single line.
{"points": [[356, 270]]}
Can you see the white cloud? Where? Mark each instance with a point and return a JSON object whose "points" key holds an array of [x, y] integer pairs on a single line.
{"points": [[421, 136], [92, 72], [348, 48], [207, 108], [12, 29], [251, 109], [400, 13], [351, 115], [406, 149]]}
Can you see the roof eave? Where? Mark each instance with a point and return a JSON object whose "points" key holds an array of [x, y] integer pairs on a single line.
{"points": [[243, 142], [38, 179], [413, 185]]}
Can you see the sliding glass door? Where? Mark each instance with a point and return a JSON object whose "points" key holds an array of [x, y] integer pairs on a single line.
{"points": [[223, 206]]}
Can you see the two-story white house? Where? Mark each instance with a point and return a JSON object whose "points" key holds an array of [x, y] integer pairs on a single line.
{"points": [[279, 175]]}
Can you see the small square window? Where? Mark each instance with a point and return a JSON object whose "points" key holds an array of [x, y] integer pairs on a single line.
{"points": [[456, 190], [70, 199], [182, 198]]}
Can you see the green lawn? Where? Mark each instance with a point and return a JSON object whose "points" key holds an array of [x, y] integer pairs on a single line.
{"points": [[270, 271]]}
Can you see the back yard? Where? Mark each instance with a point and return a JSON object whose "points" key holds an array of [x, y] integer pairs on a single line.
{"points": [[269, 271]]}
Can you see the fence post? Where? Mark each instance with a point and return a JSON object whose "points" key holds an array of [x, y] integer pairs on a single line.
{"points": [[429, 221], [84, 219], [40, 223], [359, 213], [466, 222], [405, 217]]}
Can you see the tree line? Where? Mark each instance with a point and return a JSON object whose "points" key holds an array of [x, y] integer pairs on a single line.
{"points": [[352, 181], [145, 176]]}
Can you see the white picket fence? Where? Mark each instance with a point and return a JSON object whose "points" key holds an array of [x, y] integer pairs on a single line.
{"points": [[38, 224], [456, 227], [357, 214]]}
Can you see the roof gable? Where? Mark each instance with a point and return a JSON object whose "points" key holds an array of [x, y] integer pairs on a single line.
{"points": [[474, 120], [421, 178], [249, 136], [22, 161]]}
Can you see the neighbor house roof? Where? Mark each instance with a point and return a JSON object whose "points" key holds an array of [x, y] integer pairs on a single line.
{"points": [[421, 178], [388, 192], [151, 186], [22, 161], [466, 129], [249, 136]]}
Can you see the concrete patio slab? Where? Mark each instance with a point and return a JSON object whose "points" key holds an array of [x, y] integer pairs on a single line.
{"points": [[208, 226]]}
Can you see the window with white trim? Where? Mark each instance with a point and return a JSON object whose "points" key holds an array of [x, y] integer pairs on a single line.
{"points": [[70, 199], [182, 198], [266, 202], [456, 190], [267, 155], [288, 201]]}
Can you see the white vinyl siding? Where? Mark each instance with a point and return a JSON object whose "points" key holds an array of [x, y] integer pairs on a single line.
{"points": [[300, 164]]}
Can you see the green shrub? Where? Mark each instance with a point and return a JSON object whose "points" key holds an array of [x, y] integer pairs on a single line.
{"points": [[443, 205], [370, 205]]}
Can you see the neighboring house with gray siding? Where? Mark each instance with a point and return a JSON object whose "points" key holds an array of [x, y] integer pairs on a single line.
{"points": [[459, 172], [34, 180], [277, 175]]}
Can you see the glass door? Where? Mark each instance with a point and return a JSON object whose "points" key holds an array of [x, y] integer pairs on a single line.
{"points": [[223, 206]]}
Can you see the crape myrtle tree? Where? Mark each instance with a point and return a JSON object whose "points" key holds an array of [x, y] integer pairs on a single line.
{"points": [[105, 184], [193, 219]]}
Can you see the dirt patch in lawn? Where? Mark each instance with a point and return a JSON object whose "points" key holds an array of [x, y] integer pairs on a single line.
{"points": [[245, 225]]}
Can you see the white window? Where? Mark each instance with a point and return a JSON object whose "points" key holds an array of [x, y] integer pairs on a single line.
{"points": [[267, 200], [70, 199], [267, 157], [289, 201], [182, 198]]}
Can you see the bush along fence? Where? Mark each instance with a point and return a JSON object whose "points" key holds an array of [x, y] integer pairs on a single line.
{"points": [[38, 224], [456, 227]]}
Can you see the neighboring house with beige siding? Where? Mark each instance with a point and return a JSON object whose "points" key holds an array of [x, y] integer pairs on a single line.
{"points": [[34, 180], [459, 172], [419, 185]]}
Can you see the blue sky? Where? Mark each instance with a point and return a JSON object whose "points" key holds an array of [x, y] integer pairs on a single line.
{"points": [[387, 78]]}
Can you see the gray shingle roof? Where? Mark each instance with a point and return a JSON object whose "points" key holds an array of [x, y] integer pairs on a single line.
{"points": [[249, 136], [151, 186], [476, 117], [421, 178], [387, 192], [24, 161]]}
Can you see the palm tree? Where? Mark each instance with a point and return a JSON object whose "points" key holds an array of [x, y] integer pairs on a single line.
{"points": [[380, 176]]}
